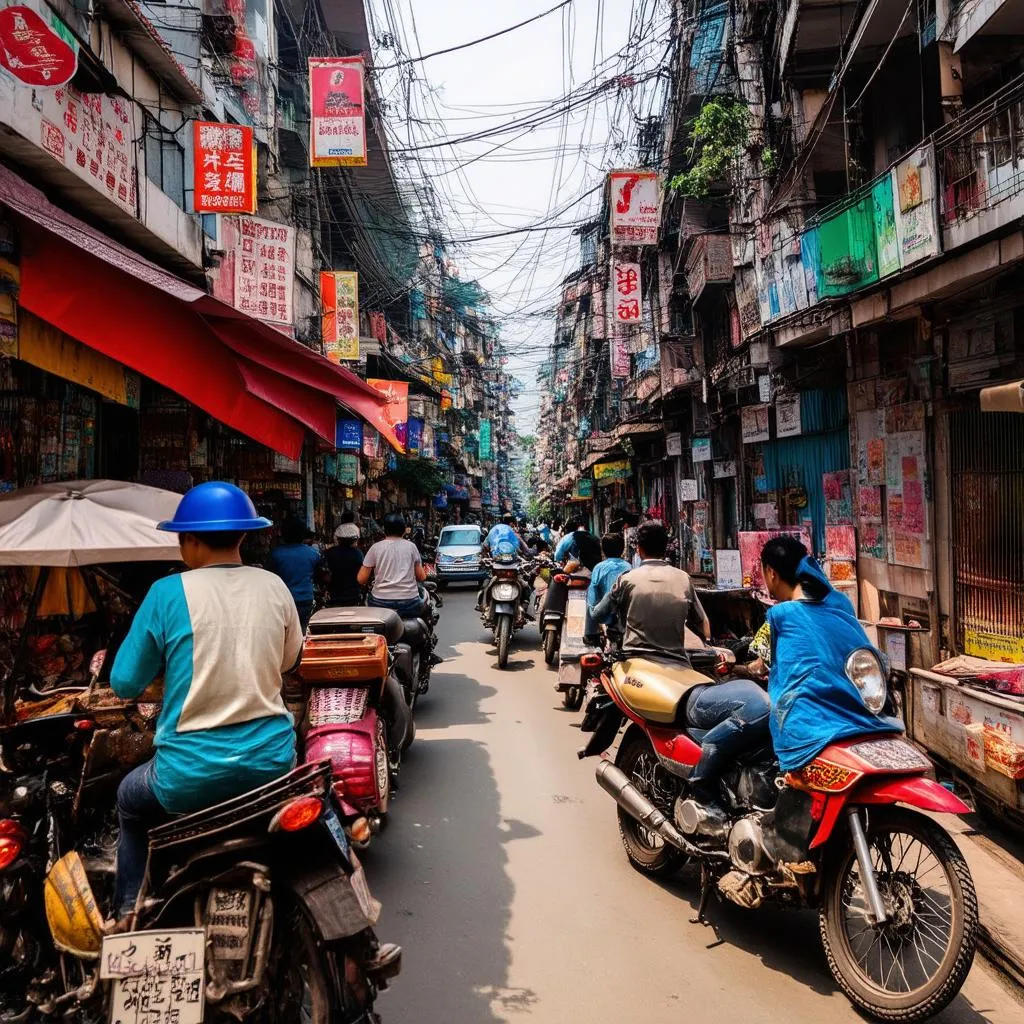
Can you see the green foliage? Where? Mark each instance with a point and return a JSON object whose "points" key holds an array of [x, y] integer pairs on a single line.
{"points": [[538, 511], [419, 478], [719, 133], [769, 160]]}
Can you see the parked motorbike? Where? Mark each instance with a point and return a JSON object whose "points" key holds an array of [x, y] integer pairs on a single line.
{"points": [[504, 598], [555, 607], [256, 908], [897, 908]]}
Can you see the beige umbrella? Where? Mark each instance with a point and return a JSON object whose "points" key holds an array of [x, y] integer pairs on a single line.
{"points": [[86, 522]]}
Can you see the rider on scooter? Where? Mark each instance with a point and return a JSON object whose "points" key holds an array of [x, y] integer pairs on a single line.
{"points": [[221, 634]]}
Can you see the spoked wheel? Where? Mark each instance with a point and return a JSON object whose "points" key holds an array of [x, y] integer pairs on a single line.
{"points": [[647, 851], [550, 646], [502, 638], [912, 966]]}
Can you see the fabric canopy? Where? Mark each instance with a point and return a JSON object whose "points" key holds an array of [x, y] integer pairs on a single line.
{"points": [[86, 522], [241, 371]]}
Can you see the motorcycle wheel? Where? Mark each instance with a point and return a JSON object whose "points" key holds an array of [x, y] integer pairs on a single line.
{"points": [[550, 646], [503, 637], [573, 698], [912, 967], [647, 852]]}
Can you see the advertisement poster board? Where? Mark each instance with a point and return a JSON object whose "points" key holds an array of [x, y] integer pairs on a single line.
{"points": [[265, 270], [396, 414], [339, 296], [224, 168], [337, 125], [635, 207]]}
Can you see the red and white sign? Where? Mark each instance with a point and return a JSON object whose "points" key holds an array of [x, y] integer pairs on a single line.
{"points": [[337, 126], [265, 270], [636, 207], [224, 168], [32, 51], [627, 296], [90, 133]]}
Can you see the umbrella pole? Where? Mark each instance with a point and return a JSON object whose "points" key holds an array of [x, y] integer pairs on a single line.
{"points": [[7, 698]]}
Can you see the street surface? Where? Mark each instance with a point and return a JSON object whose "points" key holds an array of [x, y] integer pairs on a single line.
{"points": [[503, 878]]}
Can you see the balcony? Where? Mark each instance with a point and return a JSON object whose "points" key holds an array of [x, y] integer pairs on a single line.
{"points": [[985, 18], [981, 168], [709, 262]]}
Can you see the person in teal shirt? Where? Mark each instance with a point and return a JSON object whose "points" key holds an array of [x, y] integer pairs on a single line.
{"points": [[603, 578], [221, 635]]}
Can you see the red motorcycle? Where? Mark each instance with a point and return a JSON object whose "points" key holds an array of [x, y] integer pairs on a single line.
{"points": [[898, 914]]}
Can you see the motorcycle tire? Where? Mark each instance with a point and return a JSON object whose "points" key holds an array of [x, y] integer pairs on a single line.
{"points": [[884, 825], [551, 645], [636, 757], [503, 638], [572, 699]]}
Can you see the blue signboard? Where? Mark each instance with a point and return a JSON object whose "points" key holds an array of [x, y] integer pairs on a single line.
{"points": [[349, 434]]}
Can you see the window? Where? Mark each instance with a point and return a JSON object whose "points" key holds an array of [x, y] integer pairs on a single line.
{"points": [[165, 161]]}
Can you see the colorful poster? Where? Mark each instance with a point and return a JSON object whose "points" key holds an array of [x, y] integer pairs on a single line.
{"points": [[913, 506], [627, 297], [872, 540], [754, 421], [841, 542], [414, 435], [838, 498], [766, 513], [915, 194], [752, 542], [885, 227], [339, 297], [635, 207], [906, 548], [265, 270], [620, 358], [606, 473], [337, 126], [223, 168], [371, 442], [787, 417], [396, 414], [349, 434], [869, 502], [876, 460], [485, 440], [348, 469], [37, 51], [584, 489], [700, 448]]}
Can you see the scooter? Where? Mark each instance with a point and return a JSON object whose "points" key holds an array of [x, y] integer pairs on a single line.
{"points": [[503, 600], [555, 606], [898, 914], [357, 714]]}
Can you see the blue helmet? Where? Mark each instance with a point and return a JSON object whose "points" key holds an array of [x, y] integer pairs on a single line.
{"points": [[215, 507]]}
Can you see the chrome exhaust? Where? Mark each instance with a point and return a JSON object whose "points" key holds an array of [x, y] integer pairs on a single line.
{"points": [[615, 782]]}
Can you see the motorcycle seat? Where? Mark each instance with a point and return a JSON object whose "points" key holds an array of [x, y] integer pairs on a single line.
{"points": [[415, 632], [654, 690]]}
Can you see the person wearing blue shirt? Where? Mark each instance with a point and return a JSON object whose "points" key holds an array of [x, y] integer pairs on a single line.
{"points": [[221, 635], [504, 532], [568, 546], [296, 563], [603, 578]]}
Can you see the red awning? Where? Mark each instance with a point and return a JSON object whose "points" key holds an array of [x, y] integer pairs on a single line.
{"points": [[241, 371]]}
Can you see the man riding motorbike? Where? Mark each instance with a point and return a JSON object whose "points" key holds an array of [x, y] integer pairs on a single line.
{"points": [[654, 603], [505, 532], [397, 570], [221, 634], [813, 631]]}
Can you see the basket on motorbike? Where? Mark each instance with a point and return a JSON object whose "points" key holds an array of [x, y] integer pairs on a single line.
{"points": [[353, 658]]}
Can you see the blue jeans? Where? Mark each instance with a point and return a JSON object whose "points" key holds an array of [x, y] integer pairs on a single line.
{"points": [[305, 610], [410, 609], [138, 811], [736, 717]]}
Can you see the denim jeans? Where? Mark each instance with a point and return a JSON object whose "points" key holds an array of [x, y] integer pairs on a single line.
{"points": [[305, 610], [138, 810], [409, 609], [736, 717]]}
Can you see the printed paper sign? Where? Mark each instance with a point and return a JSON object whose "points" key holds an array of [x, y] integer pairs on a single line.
{"points": [[627, 294], [339, 296], [787, 417], [754, 420], [636, 207], [337, 112], [265, 270], [728, 569], [687, 490], [700, 448], [224, 176]]}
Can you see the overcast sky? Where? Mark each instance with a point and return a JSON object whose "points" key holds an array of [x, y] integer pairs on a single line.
{"points": [[536, 172]]}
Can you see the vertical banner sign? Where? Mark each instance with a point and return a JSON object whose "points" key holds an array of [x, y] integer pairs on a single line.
{"points": [[397, 412], [636, 207], [628, 298], [620, 357], [337, 112], [265, 270], [485, 440], [339, 295], [224, 168], [33, 52]]}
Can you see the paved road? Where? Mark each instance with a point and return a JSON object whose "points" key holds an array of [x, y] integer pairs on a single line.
{"points": [[503, 877]]}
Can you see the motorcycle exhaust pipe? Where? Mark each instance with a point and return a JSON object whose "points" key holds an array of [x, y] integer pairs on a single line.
{"points": [[615, 782]]}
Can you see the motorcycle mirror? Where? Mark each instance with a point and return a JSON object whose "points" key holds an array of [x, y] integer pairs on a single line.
{"points": [[96, 663]]}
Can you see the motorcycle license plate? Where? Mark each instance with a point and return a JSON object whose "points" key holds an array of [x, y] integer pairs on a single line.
{"points": [[575, 614], [569, 673], [155, 969], [337, 831]]}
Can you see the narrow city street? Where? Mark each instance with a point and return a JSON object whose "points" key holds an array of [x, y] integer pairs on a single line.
{"points": [[502, 876]]}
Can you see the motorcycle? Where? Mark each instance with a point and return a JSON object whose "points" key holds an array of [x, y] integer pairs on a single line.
{"points": [[254, 908], [897, 909], [554, 608], [572, 677], [503, 599]]}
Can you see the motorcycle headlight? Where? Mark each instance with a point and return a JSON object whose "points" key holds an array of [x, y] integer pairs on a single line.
{"points": [[505, 592], [864, 670]]}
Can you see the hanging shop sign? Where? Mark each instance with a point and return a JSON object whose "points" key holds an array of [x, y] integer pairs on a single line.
{"points": [[414, 436], [709, 262], [700, 448], [754, 421], [485, 440], [349, 434], [348, 469], [606, 473], [673, 445], [619, 352], [914, 196], [396, 414], [224, 168], [339, 296], [687, 490], [635, 207], [627, 296], [337, 112], [787, 417], [265, 270], [37, 51], [584, 489]]}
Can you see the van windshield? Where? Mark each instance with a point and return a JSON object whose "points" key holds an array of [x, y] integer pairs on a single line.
{"points": [[458, 538]]}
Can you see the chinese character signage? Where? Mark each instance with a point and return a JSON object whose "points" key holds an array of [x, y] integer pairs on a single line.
{"points": [[349, 434], [620, 358], [485, 440], [339, 294], [33, 52], [265, 270], [636, 207], [627, 298], [224, 175], [606, 473], [396, 415], [337, 112]]}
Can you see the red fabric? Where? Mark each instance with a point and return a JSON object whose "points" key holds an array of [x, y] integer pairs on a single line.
{"points": [[318, 411], [149, 331]]}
